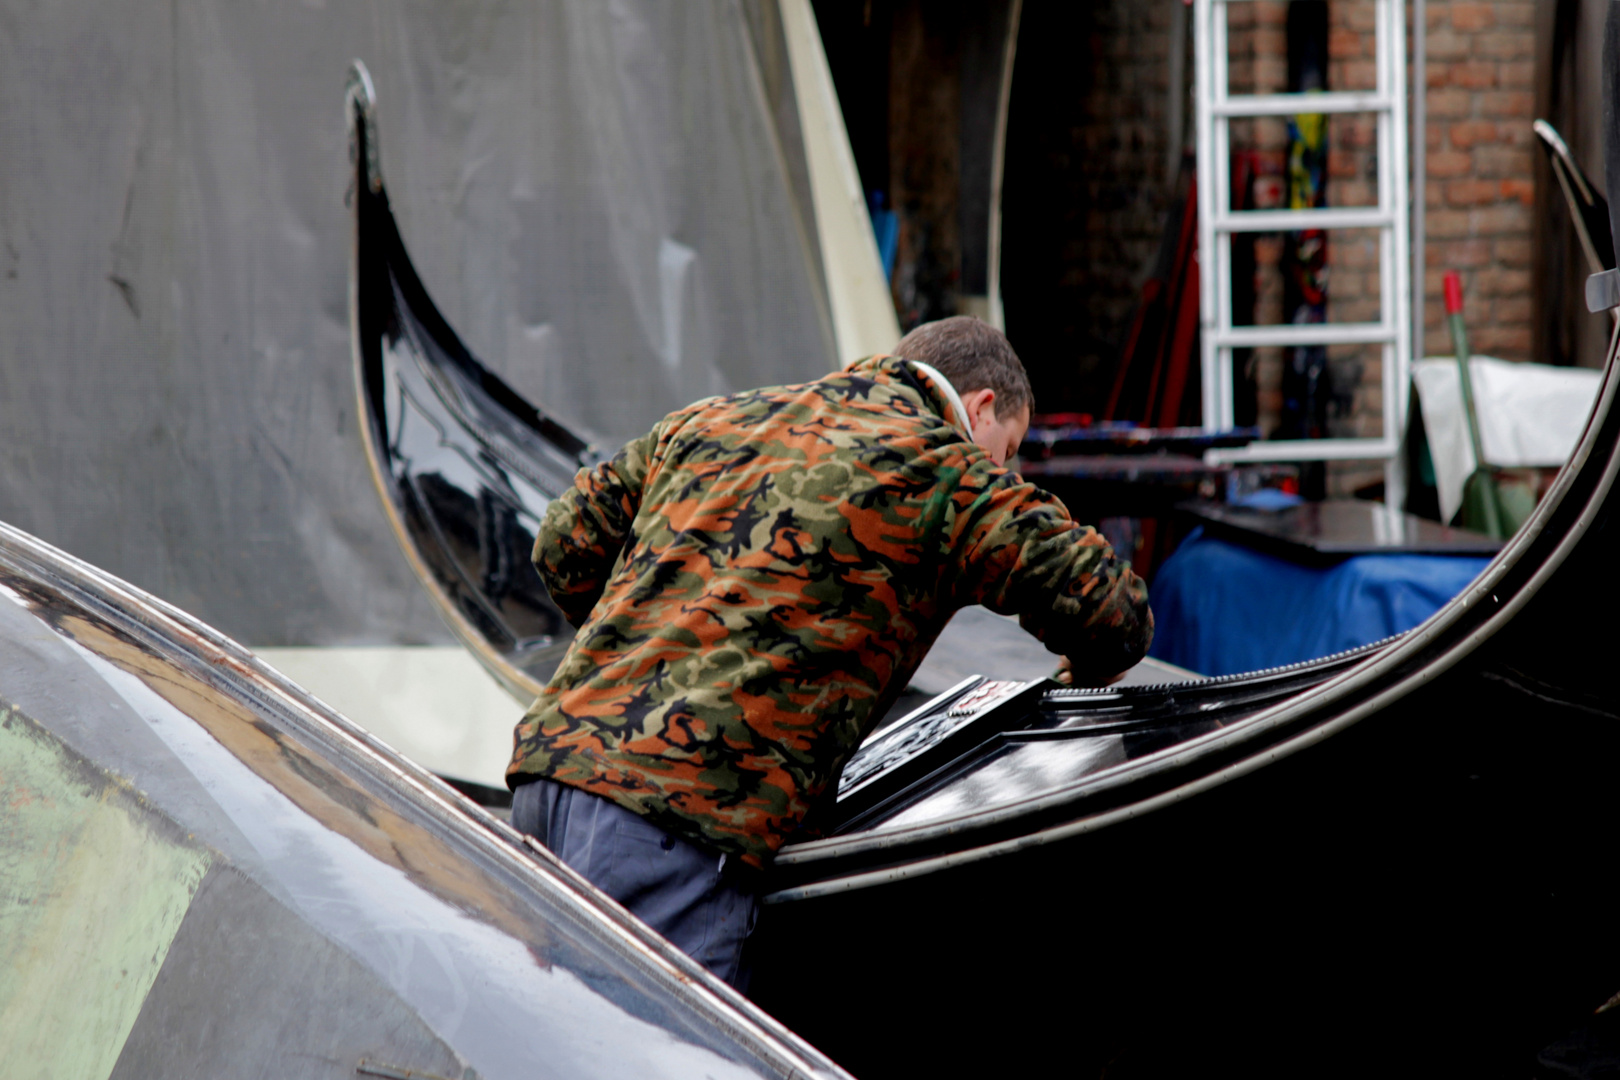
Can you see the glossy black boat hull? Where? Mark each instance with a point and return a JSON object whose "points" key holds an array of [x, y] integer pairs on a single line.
{"points": [[1413, 873], [1428, 893]]}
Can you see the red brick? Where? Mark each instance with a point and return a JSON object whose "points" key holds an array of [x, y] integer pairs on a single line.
{"points": [[1449, 163], [1271, 41], [1513, 252], [1508, 104], [1517, 75], [1465, 134], [1346, 284], [1361, 17], [1523, 190], [1520, 13], [1473, 74], [1271, 14], [1450, 104], [1500, 219], [1445, 224], [1511, 162], [1502, 281], [1352, 193], [1470, 18], [1360, 309], [1436, 342], [1508, 310], [1445, 45], [1271, 71], [1505, 45], [1356, 75], [1470, 192], [1503, 342], [1353, 141], [1355, 254], [1458, 254]]}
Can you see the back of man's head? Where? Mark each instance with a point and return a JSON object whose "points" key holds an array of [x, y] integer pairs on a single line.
{"points": [[973, 355]]}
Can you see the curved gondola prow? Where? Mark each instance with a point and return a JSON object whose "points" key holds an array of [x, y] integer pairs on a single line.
{"points": [[464, 464], [1588, 209]]}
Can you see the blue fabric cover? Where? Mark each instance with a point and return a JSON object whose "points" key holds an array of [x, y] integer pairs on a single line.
{"points": [[1220, 608]]}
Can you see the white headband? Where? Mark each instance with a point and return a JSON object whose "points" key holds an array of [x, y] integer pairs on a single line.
{"points": [[950, 393]]}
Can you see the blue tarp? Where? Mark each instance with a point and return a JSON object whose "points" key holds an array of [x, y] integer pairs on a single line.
{"points": [[1220, 608]]}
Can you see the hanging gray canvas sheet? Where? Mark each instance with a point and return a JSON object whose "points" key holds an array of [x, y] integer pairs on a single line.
{"points": [[608, 199]]}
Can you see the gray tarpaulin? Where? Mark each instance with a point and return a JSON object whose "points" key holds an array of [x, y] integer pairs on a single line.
{"points": [[606, 197]]}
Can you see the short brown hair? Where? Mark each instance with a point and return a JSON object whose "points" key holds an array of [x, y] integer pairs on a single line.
{"points": [[973, 355]]}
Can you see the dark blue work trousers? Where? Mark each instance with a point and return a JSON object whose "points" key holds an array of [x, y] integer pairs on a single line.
{"points": [[675, 887]]}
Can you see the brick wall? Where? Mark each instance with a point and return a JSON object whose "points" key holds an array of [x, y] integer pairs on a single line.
{"points": [[1479, 191], [1071, 278], [1480, 187]]}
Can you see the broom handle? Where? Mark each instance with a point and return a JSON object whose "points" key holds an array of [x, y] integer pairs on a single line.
{"points": [[1459, 343]]}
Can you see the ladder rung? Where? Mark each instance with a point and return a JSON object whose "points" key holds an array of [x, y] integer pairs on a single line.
{"points": [[1286, 334], [1333, 217], [1300, 104], [1304, 450]]}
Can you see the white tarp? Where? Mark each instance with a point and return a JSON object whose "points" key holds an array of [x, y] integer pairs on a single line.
{"points": [[1529, 415], [608, 198]]}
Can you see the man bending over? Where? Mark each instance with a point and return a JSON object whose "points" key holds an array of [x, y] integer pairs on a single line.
{"points": [[754, 582]]}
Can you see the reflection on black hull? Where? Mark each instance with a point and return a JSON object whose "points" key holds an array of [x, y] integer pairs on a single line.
{"points": [[1394, 860], [206, 872], [464, 465]]}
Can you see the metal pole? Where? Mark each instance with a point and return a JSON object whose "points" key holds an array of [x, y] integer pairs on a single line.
{"points": [[1420, 151]]}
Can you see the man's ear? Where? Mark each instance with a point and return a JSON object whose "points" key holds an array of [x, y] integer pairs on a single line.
{"points": [[981, 408]]}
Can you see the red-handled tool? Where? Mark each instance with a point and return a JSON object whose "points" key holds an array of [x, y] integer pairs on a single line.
{"points": [[1480, 508]]}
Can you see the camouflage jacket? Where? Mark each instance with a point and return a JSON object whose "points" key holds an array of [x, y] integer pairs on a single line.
{"points": [[755, 580]]}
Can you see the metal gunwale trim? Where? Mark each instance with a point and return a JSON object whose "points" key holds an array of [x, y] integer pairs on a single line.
{"points": [[1081, 692], [1270, 720], [231, 668]]}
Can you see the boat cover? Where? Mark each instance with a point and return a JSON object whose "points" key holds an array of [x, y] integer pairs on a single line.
{"points": [[611, 199]]}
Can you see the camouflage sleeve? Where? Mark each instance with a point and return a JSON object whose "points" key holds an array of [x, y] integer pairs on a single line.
{"points": [[1020, 553], [586, 527]]}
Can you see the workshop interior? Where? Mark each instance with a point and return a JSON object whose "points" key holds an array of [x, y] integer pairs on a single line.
{"points": [[310, 312]]}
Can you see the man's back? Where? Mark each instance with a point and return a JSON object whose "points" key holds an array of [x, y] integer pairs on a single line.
{"points": [[755, 580]]}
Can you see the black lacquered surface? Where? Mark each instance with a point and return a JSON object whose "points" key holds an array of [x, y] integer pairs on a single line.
{"points": [[340, 890], [1337, 529], [989, 744], [465, 466]]}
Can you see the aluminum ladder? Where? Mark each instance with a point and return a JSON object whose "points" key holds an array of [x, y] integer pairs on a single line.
{"points": [[1215, 109]]}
